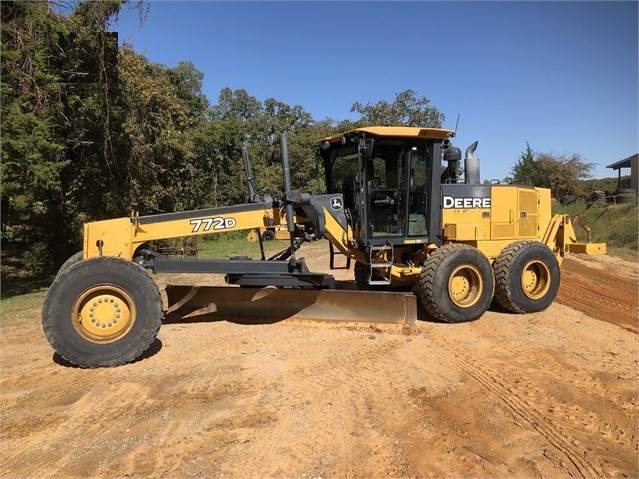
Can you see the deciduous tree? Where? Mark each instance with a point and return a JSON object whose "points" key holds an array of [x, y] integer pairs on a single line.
{"points": [[408, 109], [57, 83], [561, 173]]}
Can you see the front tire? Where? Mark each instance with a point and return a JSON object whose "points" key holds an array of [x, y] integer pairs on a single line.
{"points": [[527, 277], [76, 258], [456, 283], [102, 312]]}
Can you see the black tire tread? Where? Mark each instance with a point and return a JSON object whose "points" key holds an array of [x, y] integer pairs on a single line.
{"points": [[59, 290], [428, 275], [76, 258], [502, 267], [427, 278]]}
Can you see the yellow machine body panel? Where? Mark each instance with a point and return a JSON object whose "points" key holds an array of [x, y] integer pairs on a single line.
{"points": [[508, 213], [511, 213], [122, 236]]}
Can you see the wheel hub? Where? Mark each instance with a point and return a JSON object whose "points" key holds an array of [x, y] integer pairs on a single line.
{"points": [[535, 279], [465, 285], [103, 313]]}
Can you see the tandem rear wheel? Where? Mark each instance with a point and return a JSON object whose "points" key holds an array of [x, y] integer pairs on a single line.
{"points": [[456, 283], [102, 312], [527, 277]]}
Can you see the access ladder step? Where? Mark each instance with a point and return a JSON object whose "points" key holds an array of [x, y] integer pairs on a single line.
{"points": [[388, 257], [333, 252], [375, 253]]}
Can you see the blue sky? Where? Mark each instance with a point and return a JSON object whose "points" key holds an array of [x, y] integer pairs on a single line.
{"points": [[562, 76]]}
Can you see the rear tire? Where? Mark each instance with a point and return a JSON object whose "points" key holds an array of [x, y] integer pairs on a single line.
{"points": [[456, 283], [102, 312], [527, 277]]}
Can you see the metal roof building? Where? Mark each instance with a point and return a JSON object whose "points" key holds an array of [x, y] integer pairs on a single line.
{"points": [[631, 162]]}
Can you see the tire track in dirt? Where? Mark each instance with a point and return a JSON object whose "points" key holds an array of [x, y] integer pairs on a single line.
{"points": [[349, 416], [327, 414], [324, 409], [381, 451], [600, 294], [558, 437]]}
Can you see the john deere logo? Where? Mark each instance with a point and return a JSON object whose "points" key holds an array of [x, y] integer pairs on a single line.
{"points": [[466, 203], [336, 203]]}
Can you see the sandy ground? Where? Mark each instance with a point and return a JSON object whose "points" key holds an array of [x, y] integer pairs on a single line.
{"points": [[547, 395]]}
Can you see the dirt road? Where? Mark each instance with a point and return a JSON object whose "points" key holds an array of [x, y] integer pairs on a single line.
{"points": [[550, 395]]}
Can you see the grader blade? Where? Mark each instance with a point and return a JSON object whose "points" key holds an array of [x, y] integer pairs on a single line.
{"points": [[278, 304]]}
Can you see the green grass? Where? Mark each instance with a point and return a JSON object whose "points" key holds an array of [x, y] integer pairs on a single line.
{"points": [[17, 307], [615, 225], [12, 284], [223, 246], [21, 302], [227, 245]]}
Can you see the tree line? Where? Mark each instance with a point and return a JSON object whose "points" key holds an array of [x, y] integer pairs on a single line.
{"points": [[92, 130], [562, 174]]}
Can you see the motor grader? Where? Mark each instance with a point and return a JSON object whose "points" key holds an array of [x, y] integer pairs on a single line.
{"points": [[395, 203]]}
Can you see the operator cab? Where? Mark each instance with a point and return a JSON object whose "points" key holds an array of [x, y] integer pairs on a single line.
{"points": [[389, 178]]}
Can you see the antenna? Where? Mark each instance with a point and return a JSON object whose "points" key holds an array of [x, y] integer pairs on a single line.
{"points": [[457, 123]]}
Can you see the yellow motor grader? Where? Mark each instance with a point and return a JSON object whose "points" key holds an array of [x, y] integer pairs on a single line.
{"points": [[395, 205]]}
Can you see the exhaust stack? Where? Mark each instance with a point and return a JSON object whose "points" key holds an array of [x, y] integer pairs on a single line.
{"points": [[471, 166]]}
